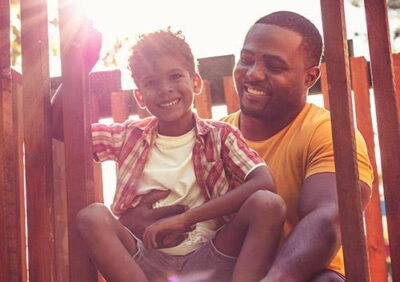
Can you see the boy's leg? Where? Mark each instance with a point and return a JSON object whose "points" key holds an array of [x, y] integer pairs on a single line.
{"points": [[109, 244], [253, 235]]}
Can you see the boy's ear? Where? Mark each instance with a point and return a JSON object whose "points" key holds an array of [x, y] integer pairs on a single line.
{"points": [[197, 84], [139, 98]]}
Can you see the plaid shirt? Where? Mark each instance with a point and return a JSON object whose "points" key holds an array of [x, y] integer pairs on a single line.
{"points": [[221, 157]]}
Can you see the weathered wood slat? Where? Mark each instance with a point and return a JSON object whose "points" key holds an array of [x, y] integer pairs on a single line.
{"points": [[12, 223], [231, 97], [203, 101], [388, 120], [373, 213], [119, 106], [352, 228], [37, 136], [324, 86], [77, 134]]}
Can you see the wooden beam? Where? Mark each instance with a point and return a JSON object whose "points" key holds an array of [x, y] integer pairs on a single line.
{"points": [[388, 120], [203, 101], [119, 106], [231, 97], [37, 135], [373, 213], [12, 221], [324, 86], [77, 133], [351, 220]]}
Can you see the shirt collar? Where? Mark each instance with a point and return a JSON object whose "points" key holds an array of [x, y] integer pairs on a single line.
{"points": [[149, 127]]}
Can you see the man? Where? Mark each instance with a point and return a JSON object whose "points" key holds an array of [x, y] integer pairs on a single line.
{"points": [[278, 64]]}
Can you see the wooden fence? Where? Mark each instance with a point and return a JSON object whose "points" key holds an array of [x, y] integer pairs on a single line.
{"points": [[43, 183]]}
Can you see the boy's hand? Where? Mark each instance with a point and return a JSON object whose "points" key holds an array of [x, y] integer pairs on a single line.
{"points": [[175, 224], [138, 218], [91, 41]]}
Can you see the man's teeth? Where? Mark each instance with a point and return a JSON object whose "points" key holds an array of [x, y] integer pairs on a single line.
{"points": [[169, 104], [256, 91]]}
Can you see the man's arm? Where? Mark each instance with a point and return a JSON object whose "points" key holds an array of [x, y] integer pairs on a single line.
{"points": [[315, 240]]}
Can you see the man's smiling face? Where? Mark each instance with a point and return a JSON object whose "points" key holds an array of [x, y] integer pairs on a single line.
{"points": [[270, 76]]}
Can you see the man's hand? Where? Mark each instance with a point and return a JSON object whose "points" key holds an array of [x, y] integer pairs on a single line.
{"points": [[138, 218]]}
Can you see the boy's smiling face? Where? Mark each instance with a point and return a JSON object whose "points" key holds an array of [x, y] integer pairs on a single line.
{"points": [[167, 89]]}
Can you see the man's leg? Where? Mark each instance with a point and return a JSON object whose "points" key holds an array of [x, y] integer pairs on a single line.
{"points": [[254, 235], [328, 276], [109, 243]]}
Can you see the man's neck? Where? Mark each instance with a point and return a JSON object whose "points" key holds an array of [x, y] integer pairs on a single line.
{"points": [[256, 129]]}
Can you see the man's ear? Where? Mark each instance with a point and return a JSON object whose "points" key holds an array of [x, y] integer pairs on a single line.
{"points": [[197, 84], [312, 75], [139, 98]]}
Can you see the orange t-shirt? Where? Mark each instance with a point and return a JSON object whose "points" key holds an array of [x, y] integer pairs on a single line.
{"points": [[301, 149]]}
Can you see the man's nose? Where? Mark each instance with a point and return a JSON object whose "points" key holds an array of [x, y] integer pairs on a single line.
{"points": [[256, 72]]}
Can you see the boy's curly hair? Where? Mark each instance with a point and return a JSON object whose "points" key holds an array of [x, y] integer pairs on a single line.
{"points": [[153, 45]]}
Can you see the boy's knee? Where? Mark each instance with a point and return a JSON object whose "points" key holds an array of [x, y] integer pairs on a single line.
{"points": [[92, 218], [267, 203]]}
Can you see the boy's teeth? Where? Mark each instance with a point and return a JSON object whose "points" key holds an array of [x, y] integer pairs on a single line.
{"points": [[169, 104], [256, 91]]}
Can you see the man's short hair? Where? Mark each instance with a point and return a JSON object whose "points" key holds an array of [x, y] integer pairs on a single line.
{"points": [[312, 41], [150, 47]]}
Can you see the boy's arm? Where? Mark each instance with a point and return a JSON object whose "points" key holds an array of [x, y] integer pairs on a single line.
{"points": [[258, 179]]}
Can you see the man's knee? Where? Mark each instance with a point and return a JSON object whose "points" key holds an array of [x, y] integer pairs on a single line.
{"points": [[92, 218], [264, 202], [328, 276]]}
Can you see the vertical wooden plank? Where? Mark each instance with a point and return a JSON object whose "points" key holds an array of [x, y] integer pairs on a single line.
{"points": [[324, 86], [373, 214], [60, 212], [77, 133], [119, 106], [388, 120], [231, 97], [203, 101], [396, 67], [12, 235], [97, 172], [37, 135], [352, 226]]}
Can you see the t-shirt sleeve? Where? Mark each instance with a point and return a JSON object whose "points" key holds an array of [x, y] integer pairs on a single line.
{"points": [[239, 159], [320, 157], [108, 141]]}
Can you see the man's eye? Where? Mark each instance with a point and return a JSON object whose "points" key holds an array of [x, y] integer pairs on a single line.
{"points": [[246, 60], [275, 68]]}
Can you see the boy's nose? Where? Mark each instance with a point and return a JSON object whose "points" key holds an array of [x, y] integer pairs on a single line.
{"points": [[256, 72], [166, 88]]}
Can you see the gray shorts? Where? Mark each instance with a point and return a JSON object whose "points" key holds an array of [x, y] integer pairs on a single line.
{"points": [[204, 264]]}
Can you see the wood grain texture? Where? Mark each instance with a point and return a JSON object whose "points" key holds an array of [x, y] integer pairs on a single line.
{"points": [[77, 134], [203, 101], [337, 64], [373, 213], [12, 220], [37, 137], [387, 112], [231, 97]]}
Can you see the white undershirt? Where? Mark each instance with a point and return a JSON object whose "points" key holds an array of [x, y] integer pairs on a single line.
{"points": [[170, 167]]}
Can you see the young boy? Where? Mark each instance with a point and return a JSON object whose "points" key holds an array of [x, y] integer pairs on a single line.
{"points": [[197, 161]]}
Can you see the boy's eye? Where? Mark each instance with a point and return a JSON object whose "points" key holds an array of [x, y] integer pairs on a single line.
{"points": [[176, 76], [275, 68]]}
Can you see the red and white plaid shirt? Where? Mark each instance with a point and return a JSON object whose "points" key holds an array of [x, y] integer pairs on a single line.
{"points": [[221, 156]]}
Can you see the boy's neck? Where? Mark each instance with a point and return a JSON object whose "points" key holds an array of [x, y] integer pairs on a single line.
{"points": [[176, 127]]}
